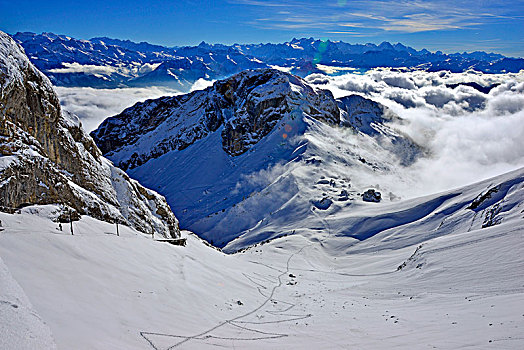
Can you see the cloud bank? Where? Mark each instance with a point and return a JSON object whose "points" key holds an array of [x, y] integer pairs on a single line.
{"points": [[100, 71], [472, 124], [92, 106]]}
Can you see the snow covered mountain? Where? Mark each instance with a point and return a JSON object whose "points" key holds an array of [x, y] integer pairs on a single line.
{"points": [[72, 62], [105, 62], [259, 149], [300, 184], [193, 63], [46, 157]]}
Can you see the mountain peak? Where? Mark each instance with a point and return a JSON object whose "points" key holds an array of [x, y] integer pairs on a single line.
{"points": [[385, 45], [245, 106], [232, 149]]}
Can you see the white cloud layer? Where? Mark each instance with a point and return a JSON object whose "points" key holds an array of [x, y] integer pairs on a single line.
{"points": [[92, 106], [201, 84], [470, 135], [129, 70], [84, 68]]}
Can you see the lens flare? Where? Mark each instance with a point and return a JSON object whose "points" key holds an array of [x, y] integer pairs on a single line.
{"points": [[322, 47]]}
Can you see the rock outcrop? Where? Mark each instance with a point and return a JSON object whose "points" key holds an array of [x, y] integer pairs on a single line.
{"points": [[371, 196], [46, 157], [246, 106]]}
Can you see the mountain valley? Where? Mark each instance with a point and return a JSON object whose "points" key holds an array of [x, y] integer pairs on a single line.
{"points": [[310, 194]]}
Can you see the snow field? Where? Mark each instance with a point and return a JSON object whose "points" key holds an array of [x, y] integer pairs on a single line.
{"points": [[460, 288]]}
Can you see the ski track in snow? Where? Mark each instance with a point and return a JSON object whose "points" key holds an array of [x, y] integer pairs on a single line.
{"points": [[235, 321], [457, 279], [283, 315]]}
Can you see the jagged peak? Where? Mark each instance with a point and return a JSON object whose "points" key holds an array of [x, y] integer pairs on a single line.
{"points": [[386, 45], [245, 107]]}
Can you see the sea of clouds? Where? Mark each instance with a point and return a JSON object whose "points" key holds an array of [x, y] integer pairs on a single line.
{"points": [[93, 106], [470, 133]]}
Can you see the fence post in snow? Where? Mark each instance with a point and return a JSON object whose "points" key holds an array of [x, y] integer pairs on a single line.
{"points": [[70, 220], [117, 233]]}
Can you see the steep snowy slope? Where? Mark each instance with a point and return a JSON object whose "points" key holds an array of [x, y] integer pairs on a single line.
{"points": [[256, 147], [428, 277], [46, 157]]}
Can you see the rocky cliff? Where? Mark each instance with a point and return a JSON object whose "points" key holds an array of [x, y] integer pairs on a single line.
{"points": [[259, 148], [246, 107], [46, 157]]}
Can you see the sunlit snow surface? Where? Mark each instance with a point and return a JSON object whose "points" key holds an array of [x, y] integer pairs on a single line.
{"points": [[465, 135], [459, 286], [332, 282]]}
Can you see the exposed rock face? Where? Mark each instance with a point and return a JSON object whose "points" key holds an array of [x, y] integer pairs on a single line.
{"points": [[248, 157], [46, 157], [371, 196], [258, 101], [246, 106]]}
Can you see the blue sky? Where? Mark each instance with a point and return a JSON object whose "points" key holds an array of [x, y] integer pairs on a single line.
{"points": [[450, 26]]}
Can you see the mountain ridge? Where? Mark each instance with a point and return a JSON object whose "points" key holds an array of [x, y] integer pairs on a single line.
{"points": [[254, 147], [47, 158], [70, 62]]}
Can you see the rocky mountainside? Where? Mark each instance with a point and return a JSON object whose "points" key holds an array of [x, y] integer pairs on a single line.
{"points": [[246, 107], [105, 62], [259, 144], [46, 157]]}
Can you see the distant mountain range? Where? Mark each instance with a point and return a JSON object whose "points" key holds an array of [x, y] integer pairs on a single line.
{"points": [[106, 62]]}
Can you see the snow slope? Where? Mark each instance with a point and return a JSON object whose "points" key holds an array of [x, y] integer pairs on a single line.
{"points": [[262, 146], [431, 280], [20, 325]]}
